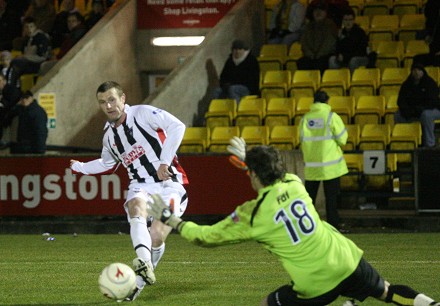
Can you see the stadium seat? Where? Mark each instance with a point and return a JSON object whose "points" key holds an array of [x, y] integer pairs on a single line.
{"points": [[195, 140], [275, 84], [255, 135], [365, 81], [409, 25], [295, 53], [220, 136], [383, 27], [377, 7], [221, 112], [16, 53], [284, 137], [390, 109], [369, 109], [389, 54], [302, 106], [406, 136], [393, 77], [354, 133], [344, 106], [412, 48], [374, 137], [305, 83], [351, 181], [336, 81], [434, 72], [27, 81], [272, 57], [251, 112], [280, 111], [403, 7], [363, 22]]}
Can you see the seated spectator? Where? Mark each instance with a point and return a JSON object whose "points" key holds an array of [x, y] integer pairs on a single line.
{"points": [[432, 14], [418, 100], [318, 41], [335, 9], [10, 25], [77, 30], [287, 22], [60, 29], [351, 46], [98, 11], [240, 75], [9, 97], [32, 126], [36, 50]]}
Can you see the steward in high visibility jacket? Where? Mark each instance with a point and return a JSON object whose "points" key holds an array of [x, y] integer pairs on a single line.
{"points": [[322, 133]]}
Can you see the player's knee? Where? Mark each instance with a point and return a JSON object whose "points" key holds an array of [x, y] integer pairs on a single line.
{"points": [[136, 208]]}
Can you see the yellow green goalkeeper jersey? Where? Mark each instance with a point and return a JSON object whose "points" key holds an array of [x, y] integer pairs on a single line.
{"points": [[284, 220]]}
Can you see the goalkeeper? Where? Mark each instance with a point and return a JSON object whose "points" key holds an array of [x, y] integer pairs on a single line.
{"points": [[322, 263]]}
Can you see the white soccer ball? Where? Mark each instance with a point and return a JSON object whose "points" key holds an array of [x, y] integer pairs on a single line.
{"points": [[117, 281]]}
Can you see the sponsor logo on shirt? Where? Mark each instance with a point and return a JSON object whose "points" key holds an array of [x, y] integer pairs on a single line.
{"points": [[235, 218], [315, 123], [136, 152]]}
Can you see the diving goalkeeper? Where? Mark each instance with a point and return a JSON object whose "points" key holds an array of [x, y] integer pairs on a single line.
{"points": [[322, 263]]}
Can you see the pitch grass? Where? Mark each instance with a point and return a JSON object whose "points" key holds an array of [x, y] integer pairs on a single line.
{"points": [[34, 271]]}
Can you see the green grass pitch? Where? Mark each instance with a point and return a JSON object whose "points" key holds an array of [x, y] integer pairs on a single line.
{"points": [[34, 271]]}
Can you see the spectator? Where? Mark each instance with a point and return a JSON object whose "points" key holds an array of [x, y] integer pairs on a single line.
{"points": [[36, 50], [287, 22], [77, 29], [318, 41], [44, 14], [418, 100], [322, 133], [240, 75], [9, 97], [60, 28], [351, 46], [10, 25], [335, 9], [98, 11], [5, 60], [32, 126], [432, 14]]}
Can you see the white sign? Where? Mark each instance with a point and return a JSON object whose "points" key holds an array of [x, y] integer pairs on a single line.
{"points": [[374, 162]]}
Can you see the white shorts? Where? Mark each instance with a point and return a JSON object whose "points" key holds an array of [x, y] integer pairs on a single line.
{"points": [[168, 190]]}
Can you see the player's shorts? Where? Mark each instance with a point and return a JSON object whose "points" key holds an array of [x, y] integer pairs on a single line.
{"points": [[167, 189], [364, 282]]}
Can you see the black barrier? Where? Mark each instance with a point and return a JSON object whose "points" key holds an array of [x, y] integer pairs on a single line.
{"points": [[428, 180]]}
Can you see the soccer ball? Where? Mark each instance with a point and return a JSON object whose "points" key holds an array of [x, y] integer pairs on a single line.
{"points": [[117, 281]]}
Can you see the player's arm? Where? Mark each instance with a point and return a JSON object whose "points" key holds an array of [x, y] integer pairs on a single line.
{"points": [[104, 165]]}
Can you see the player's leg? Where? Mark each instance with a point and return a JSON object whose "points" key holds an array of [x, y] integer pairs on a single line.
{"points": [[404, 295]]}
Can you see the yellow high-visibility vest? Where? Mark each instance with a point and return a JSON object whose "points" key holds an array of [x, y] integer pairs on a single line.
{"points": [[322, 133]]}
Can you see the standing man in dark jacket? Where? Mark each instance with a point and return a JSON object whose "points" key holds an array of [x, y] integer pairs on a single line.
{"points": [[351, 45], [32, 126], [240, 75], [419, 101]]}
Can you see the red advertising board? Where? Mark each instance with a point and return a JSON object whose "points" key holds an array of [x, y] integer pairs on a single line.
{"points": [[172, 14], [45, 186]]}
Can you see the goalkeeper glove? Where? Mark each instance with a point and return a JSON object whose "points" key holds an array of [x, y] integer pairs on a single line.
{"points": [[237, 148], [157, 208]]}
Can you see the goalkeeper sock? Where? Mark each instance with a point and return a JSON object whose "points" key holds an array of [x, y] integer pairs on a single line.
{"points": [[423, 300], [401, 295], [156, 254], [140, 237]]}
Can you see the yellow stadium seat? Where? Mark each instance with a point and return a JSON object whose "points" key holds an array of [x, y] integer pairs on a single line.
{"points": [[284, 137], [433, 72], [369, 109], [414, 47], [409, 25], [305, 83], [221, 112], [295, 53], [280, 111], [302, 107], [354, 133], [336, 81], [393, 77], [365, 81], [374, 137], [357, 6], [220, 136], [377, 7], [351, 181], [363, 22], [275, 84], [251, 112], [344, 106], [389, 54], [255, 135], [390, 108], [403, 7], [195, 140], [383, 27], [272, 57], [27, 81], [406, 136]]}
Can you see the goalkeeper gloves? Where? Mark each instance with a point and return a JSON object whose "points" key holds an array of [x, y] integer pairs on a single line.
{"points": [[157, 208], [237, 148]]}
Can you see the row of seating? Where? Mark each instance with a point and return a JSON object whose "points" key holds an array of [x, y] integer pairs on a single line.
{"points": [[390, 53], [392, 7], [400, 137], [287, 111]]}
